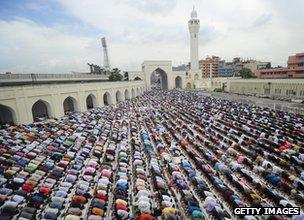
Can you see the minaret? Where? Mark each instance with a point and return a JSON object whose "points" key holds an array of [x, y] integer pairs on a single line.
{"points": [[194, 25]]}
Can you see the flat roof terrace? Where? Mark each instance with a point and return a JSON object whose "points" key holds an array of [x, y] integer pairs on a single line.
{"points": [[41, 78]]}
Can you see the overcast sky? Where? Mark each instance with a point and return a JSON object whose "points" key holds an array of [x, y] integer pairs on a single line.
{"points": [[59, 36]]}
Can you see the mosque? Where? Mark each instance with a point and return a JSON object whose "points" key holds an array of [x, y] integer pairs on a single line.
{"points": [[191, 79], [174, 155], [24, 97]]}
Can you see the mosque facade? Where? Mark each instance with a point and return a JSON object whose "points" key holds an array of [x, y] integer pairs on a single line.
{"points": [[22, 102]]}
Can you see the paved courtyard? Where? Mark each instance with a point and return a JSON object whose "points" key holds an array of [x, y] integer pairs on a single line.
{"points": [[163, 155]]}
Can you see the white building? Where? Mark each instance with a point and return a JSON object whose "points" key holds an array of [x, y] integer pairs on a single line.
{"points": [[194, 25], [22, 98], [254, 65]]}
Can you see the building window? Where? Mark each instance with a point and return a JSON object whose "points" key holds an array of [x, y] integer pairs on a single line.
{"points": [[277, 91], [291, 92]]}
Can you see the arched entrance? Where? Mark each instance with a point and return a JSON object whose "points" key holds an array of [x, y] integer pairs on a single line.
{"points": [[188, 85], [41, 109], [178, 82], [196, 76], [137, 91], [159, 79], [127, 94], [7, 115], [107, 99], [133, 93], [70, 105], [91, 101], [119, 96]]}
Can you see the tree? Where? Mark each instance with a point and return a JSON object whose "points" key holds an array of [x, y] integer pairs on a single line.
{"points": [[115, 75], [246, 73], [126, 76]]}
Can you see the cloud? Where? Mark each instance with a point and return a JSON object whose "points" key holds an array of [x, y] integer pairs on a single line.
{"points": [[138, 30], [155, 7], [28, 47], [262, 20], [35, 6]]}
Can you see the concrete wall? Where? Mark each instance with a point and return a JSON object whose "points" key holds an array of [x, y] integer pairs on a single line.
{"points": [[291, 88], [149, 66], [187, 77], [209, 84], [20, 99], [134, 74]]}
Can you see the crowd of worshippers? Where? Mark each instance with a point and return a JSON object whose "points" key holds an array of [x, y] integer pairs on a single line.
{"points": [[163, 155]]}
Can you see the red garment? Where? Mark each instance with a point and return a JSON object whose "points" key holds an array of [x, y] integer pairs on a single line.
{"points": [[284, 146], [103, 197], [120, 206], [45, 190], [79, 199], [145, 217], [184, 143], [28, 187]]}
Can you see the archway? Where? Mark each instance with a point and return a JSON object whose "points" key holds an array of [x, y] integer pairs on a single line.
{"points": [[137, 92], [188, 85], [70, 105], [137, 78], [119, 97], [41, 109], [91, 101], [159, 79], [133, 93], [107, 99], [196, 76], [178, 82], [127, 94], [7, 115]]}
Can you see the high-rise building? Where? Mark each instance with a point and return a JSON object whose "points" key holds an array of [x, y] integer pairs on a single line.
{"points": [[254, 65], [225, 71], [210, 64], [194, 25], [237, 64], [294, 69]]}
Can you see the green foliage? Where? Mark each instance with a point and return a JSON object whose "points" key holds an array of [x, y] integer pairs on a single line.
{"points": [[246, 73], [115, 75], [126, 76], [217, 90]]}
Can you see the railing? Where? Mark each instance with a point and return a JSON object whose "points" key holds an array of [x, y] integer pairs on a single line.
{"points": [[34, 77]]}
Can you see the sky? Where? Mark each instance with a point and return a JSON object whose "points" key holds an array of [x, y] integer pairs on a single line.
{"points": [[61, 36]]}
